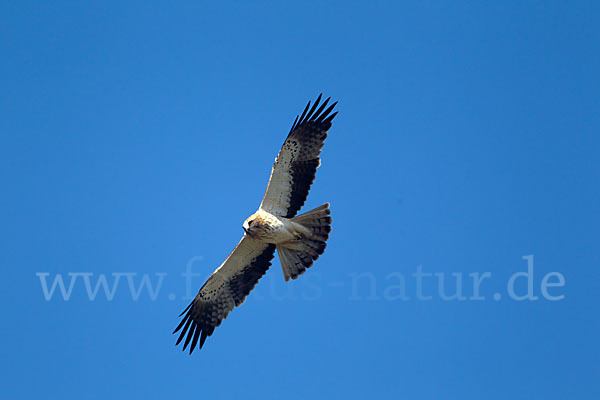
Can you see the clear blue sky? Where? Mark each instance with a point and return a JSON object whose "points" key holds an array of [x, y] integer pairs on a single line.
{"points": [[136, 138]]}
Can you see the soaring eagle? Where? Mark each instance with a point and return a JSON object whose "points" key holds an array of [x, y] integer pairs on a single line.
{"points": [[299, 240]]}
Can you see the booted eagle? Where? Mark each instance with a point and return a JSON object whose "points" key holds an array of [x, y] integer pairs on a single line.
{"points": [[299, 240]]}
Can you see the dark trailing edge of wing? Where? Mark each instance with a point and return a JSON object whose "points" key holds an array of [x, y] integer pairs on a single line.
{"points": [[312, 124], [202, 317]]}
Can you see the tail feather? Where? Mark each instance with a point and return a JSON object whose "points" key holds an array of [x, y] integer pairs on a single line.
{"points": [[298, 256]]}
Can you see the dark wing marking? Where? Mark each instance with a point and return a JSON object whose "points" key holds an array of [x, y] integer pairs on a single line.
{"points": [[296, 164], [225, 289]]}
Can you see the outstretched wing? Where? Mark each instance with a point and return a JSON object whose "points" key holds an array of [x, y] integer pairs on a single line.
{"points": [[225, 289], [297, 162]]}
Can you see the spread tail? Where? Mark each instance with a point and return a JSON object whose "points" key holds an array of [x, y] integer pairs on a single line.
{"points": [[296, 256]]}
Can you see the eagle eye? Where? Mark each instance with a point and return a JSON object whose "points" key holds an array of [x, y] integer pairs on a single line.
{"points": [[250, 222]]}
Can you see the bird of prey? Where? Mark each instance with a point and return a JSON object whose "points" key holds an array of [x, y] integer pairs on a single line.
{"points": [[299, 239]]}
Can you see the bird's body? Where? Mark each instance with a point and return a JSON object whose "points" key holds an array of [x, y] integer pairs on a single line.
{"points": [[298, 239], [269, 228]]}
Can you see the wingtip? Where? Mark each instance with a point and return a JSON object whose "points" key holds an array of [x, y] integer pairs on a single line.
{"points": [[189, 336], [185, 328], [186, 309], [330, 118]]}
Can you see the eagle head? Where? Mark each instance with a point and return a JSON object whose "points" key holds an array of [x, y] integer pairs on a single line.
{"points": [[251, 224], [257, 226]]}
